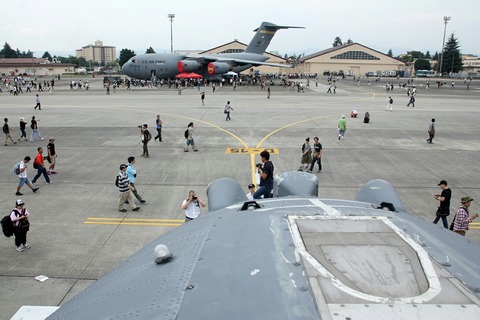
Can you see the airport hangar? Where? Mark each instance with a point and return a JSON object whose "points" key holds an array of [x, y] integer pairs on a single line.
{"points": [[352, 59]]}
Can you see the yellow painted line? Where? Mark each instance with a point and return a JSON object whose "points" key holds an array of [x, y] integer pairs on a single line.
{"points": [[151, 224], [251, 150], [291, 125], [133, 219], [134, 222], [212, 125]]}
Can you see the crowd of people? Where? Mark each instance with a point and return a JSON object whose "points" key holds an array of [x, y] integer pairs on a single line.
{"points": [[128, 192]]}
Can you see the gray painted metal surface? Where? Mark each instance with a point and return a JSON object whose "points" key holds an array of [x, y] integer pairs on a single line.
{"points": [[233, 264]]}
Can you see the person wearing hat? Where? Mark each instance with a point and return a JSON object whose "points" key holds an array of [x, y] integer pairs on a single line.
{"points": [[462, 219], [21, 225], [342, 127], [251, 188], [125, 190], [443, 210], [52, 156], [146, 137], [23, 125]]}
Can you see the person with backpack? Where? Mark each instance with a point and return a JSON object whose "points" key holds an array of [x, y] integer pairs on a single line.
{"points": [[146, 137], [390, 104], [188, 134], [21, 225], [22, 175], [7, 130], [227, 110]]}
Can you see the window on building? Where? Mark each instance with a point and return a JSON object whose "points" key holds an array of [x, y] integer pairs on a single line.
{"points": [[233, 51], [355, 55]]}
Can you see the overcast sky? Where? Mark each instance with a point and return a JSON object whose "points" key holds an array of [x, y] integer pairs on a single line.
{"points": [[60, 26]]}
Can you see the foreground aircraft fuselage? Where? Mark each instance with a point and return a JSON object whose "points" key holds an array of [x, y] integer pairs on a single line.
{"points": [[167, 66], [294, 256]]}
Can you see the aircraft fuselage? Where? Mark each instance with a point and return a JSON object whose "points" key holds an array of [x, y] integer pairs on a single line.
{"points": [[168, 65]]}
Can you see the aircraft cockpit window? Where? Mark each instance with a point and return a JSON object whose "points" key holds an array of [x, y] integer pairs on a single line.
{"points": [[133, 61]]}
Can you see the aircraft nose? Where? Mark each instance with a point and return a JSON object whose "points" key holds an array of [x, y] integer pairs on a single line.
{"points": [[125, 66]]}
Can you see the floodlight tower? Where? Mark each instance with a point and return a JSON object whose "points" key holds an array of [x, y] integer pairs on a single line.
{"points": [[445, 21], [171, 16]]}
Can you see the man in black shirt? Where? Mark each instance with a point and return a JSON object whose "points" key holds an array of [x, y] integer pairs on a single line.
{"points": [[317, 155], [444, 209], [52, 156], [266, 177], [146, 137]]}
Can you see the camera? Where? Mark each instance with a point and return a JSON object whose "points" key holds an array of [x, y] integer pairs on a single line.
{"points": [[194, 198], [140, 126], [258, 165]]}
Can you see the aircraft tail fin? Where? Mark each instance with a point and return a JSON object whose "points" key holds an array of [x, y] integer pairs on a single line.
{"points": [[264, 35]]}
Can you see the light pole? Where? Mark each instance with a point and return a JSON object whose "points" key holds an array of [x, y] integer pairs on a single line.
{"points": [[171, 16], [445, 21], [33, 64]]}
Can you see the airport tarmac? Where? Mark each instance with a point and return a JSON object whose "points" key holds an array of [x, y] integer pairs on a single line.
{"points": [[77, 233]]}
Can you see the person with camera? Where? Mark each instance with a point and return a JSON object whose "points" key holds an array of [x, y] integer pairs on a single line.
{"points": [[266, 176], [191, 205], [146, 137], [21, 225], [444, 208]]}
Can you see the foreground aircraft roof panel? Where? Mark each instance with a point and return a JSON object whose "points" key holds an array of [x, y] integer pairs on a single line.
{"points": [[293, 257], [236, 276]]}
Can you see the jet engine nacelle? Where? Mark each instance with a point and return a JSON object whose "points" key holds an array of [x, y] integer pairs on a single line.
{"points": [[188, 65], [218, 67]]}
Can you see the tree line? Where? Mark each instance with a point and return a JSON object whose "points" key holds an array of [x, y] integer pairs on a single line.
{"points": [[452, 57]]}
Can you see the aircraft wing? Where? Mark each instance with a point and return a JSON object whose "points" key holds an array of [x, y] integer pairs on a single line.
{"points": [[218, 58]]}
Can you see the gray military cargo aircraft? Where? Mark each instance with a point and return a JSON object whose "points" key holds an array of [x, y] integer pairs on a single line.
{"points": [[294, 256], [167, 66]]}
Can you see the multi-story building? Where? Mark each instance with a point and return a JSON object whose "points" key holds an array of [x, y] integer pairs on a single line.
{"points": [[97, 53], [471, 65]]}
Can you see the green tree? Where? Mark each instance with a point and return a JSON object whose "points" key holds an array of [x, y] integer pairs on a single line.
{"points": [[390, 53], [452, 59], [349, 41], [337, 42], [47, 56], [82, 62], [435, 56], [427, 55], [150, 50], [416, 54], [125, 55], [422, 64], [8, 52]]}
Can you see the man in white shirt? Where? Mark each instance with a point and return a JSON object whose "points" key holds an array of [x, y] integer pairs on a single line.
{"points": [[191, 205], [23, 179]]}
